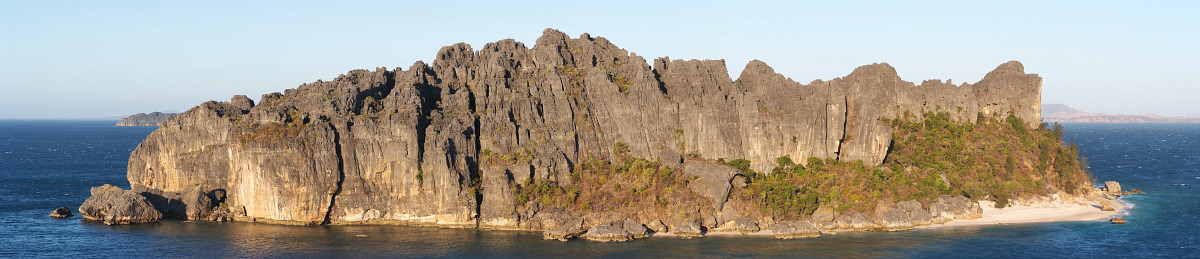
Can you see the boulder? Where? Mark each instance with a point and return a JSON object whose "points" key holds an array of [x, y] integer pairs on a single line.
{"points": [[571, 229], [114, 206], [658, 226], [607, 233], [62, 212], [1112, 187], [1135, 191], [892, 219], [795, 230], [914, 210], [714, 180], [687, 229], [1117, 220], [941, 213], [960, 207], [742, 225], [825, 215], [636, 230], [1106, 205]]}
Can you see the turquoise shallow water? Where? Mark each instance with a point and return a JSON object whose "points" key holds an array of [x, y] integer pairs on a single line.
{"points": [[48, 164]]}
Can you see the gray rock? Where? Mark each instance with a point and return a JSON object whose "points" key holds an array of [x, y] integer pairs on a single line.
{"points": [[714, 180], [825, 215], [892, 219], [607, 233], [1112, 187], [958, 206], [744, 225], [114, 206], [795, 230], [914, 210], [687, 229], [570, 229], [657, 226], [62, 212], [635, 230], [856, 221]]}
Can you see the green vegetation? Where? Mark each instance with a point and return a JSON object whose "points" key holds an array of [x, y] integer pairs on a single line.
{"points": [[598, 186], [988, 160], [620, 81]]}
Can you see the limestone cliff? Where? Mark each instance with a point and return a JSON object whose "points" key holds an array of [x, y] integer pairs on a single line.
{"points": [[442, 143]]}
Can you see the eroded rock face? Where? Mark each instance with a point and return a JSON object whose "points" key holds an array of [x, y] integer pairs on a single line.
{"points": [[441, 143], [114, 206]]}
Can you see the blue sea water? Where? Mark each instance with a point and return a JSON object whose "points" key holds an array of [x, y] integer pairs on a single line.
{"points": [[48, 164]]}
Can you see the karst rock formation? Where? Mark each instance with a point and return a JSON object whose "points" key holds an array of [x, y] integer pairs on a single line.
{"points": [[408, 146]]}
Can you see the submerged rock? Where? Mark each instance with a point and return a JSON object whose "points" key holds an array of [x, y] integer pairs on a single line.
{"points": [[62, 212], [795, 230], [115, 206]]}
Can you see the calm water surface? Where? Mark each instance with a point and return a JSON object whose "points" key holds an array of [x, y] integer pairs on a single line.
{"points": [[48, 164]]}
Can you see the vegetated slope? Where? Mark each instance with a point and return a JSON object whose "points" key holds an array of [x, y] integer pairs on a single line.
{"points": [[995, 159], [499, 136]]}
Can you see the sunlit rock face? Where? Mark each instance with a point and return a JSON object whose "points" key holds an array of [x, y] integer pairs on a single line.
{"points": [[442, 143]]}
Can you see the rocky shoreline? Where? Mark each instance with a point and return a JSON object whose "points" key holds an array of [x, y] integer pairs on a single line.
{"points": [[113, 206]]}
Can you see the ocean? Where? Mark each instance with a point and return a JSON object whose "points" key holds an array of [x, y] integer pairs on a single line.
{"points": [[46, 164]]}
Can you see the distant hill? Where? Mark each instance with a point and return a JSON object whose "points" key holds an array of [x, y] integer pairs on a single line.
{"points": [[1062, 113], [145, 119]]}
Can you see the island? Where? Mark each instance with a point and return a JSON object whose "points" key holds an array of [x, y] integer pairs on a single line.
{"points": [[1060, 113], [144, 119], [578, 138]]}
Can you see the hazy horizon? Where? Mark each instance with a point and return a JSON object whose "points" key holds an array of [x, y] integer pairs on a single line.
{"points": [[80, 60]]}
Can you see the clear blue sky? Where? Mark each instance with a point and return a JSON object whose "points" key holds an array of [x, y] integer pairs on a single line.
{"points": [[91, 59]]}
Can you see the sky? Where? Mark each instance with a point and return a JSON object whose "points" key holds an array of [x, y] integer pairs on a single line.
{"points": [[106, 59]]}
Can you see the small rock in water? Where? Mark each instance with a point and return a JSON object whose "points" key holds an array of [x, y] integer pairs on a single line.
{"points": [[62, 212], [1135, 191], [360, 235], [1117, 220]]}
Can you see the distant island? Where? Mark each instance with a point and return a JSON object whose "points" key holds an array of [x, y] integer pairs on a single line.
{"points": [[578, 138], [145, 119], [1060, 113]]}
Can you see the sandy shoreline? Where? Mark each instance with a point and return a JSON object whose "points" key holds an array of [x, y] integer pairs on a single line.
{"points": [[1041, 211]]}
